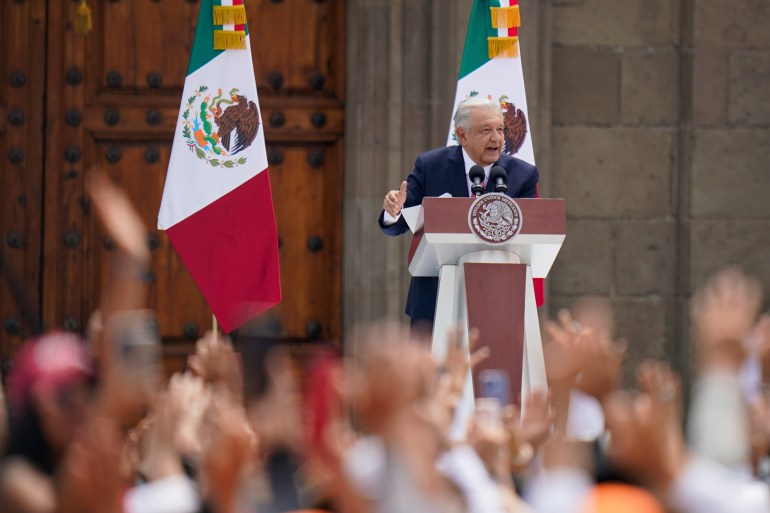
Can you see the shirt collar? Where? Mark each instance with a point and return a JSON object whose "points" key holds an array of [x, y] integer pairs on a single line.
{"points": [[469, 163]]}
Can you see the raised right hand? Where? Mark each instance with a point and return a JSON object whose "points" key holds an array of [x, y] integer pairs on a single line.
{"points": [[394, 200]]}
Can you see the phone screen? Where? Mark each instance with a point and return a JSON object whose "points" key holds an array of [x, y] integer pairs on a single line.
{"points": [[494, 383]]}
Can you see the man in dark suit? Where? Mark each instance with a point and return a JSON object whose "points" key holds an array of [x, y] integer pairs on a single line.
{"points": [[480, 132]]}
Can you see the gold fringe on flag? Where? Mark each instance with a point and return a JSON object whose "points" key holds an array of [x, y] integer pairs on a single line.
{"points": [[83, 19], [503, 46], [229, 39], [229, 15], [506, 17]]}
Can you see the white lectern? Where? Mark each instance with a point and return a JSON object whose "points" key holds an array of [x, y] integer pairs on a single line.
{"points": [[485, 277]]}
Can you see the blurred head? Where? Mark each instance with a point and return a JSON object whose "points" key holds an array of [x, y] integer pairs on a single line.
{"points": [[480, 130], [596, 313], [52, 376]]}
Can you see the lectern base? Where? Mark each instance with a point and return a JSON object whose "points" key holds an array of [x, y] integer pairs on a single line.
{"points": [[492, 291]]}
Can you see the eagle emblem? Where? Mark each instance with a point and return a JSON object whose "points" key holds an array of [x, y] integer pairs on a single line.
{"points": [[218, 128], [494, 218], [515, 126], [514, 123]]}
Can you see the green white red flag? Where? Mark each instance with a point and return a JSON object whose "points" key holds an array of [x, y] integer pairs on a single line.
{"points": [[491, 67], [217, 209]]}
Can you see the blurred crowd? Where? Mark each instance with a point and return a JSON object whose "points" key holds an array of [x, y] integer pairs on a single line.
{"points": [[90, 425]]}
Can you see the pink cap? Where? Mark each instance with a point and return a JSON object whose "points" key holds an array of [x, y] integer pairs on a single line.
{"points": [[56, 358]]}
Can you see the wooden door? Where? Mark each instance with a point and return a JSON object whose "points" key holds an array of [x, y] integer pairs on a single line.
{"points": [[112, 100], [22, 87]]}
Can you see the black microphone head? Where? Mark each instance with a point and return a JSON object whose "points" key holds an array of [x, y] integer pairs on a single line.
{"points": [[476, 174], [496, 173], [499, 178]]}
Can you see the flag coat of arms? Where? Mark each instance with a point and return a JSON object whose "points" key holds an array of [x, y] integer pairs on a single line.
{"points": [[217, 209], [491, 68]]}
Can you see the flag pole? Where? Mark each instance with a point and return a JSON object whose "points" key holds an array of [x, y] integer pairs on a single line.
{"points": [[214, 325]]}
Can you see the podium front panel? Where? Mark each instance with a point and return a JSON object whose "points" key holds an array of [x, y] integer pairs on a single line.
{"points": [[495, 303]]}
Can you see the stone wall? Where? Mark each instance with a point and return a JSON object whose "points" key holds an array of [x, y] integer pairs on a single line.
{"points": [[661, 146], [652, 118], [616, 119]]}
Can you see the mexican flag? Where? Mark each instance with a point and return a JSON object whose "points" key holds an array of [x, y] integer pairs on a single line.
{"points": [[491, 67], [217, 209]]}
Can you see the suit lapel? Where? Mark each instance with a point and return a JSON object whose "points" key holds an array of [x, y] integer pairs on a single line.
{"points": [[458, 181]]}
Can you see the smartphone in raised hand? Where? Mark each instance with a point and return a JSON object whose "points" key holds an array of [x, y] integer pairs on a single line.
{"points": [[135, 341], [494, 383]]}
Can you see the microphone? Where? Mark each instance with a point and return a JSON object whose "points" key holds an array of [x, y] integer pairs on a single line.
{"points": [[477, 175], [499, 178]]}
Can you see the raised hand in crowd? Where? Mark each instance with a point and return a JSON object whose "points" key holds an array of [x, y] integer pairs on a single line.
{"points": [[647, 441], [565, 352], [228, 450], [276, 416], [160, 457], [724, 312], [190, 398], [126, 288], [494, 436], [536, 422], [134, 448], [490, 438], [119, 216], [216, 362], [388, 376], [603, 366], [459, 360], [394, 397], [122, 334]]}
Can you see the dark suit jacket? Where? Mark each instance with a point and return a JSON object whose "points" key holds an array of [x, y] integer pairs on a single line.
{"points": [[437, 172]]}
